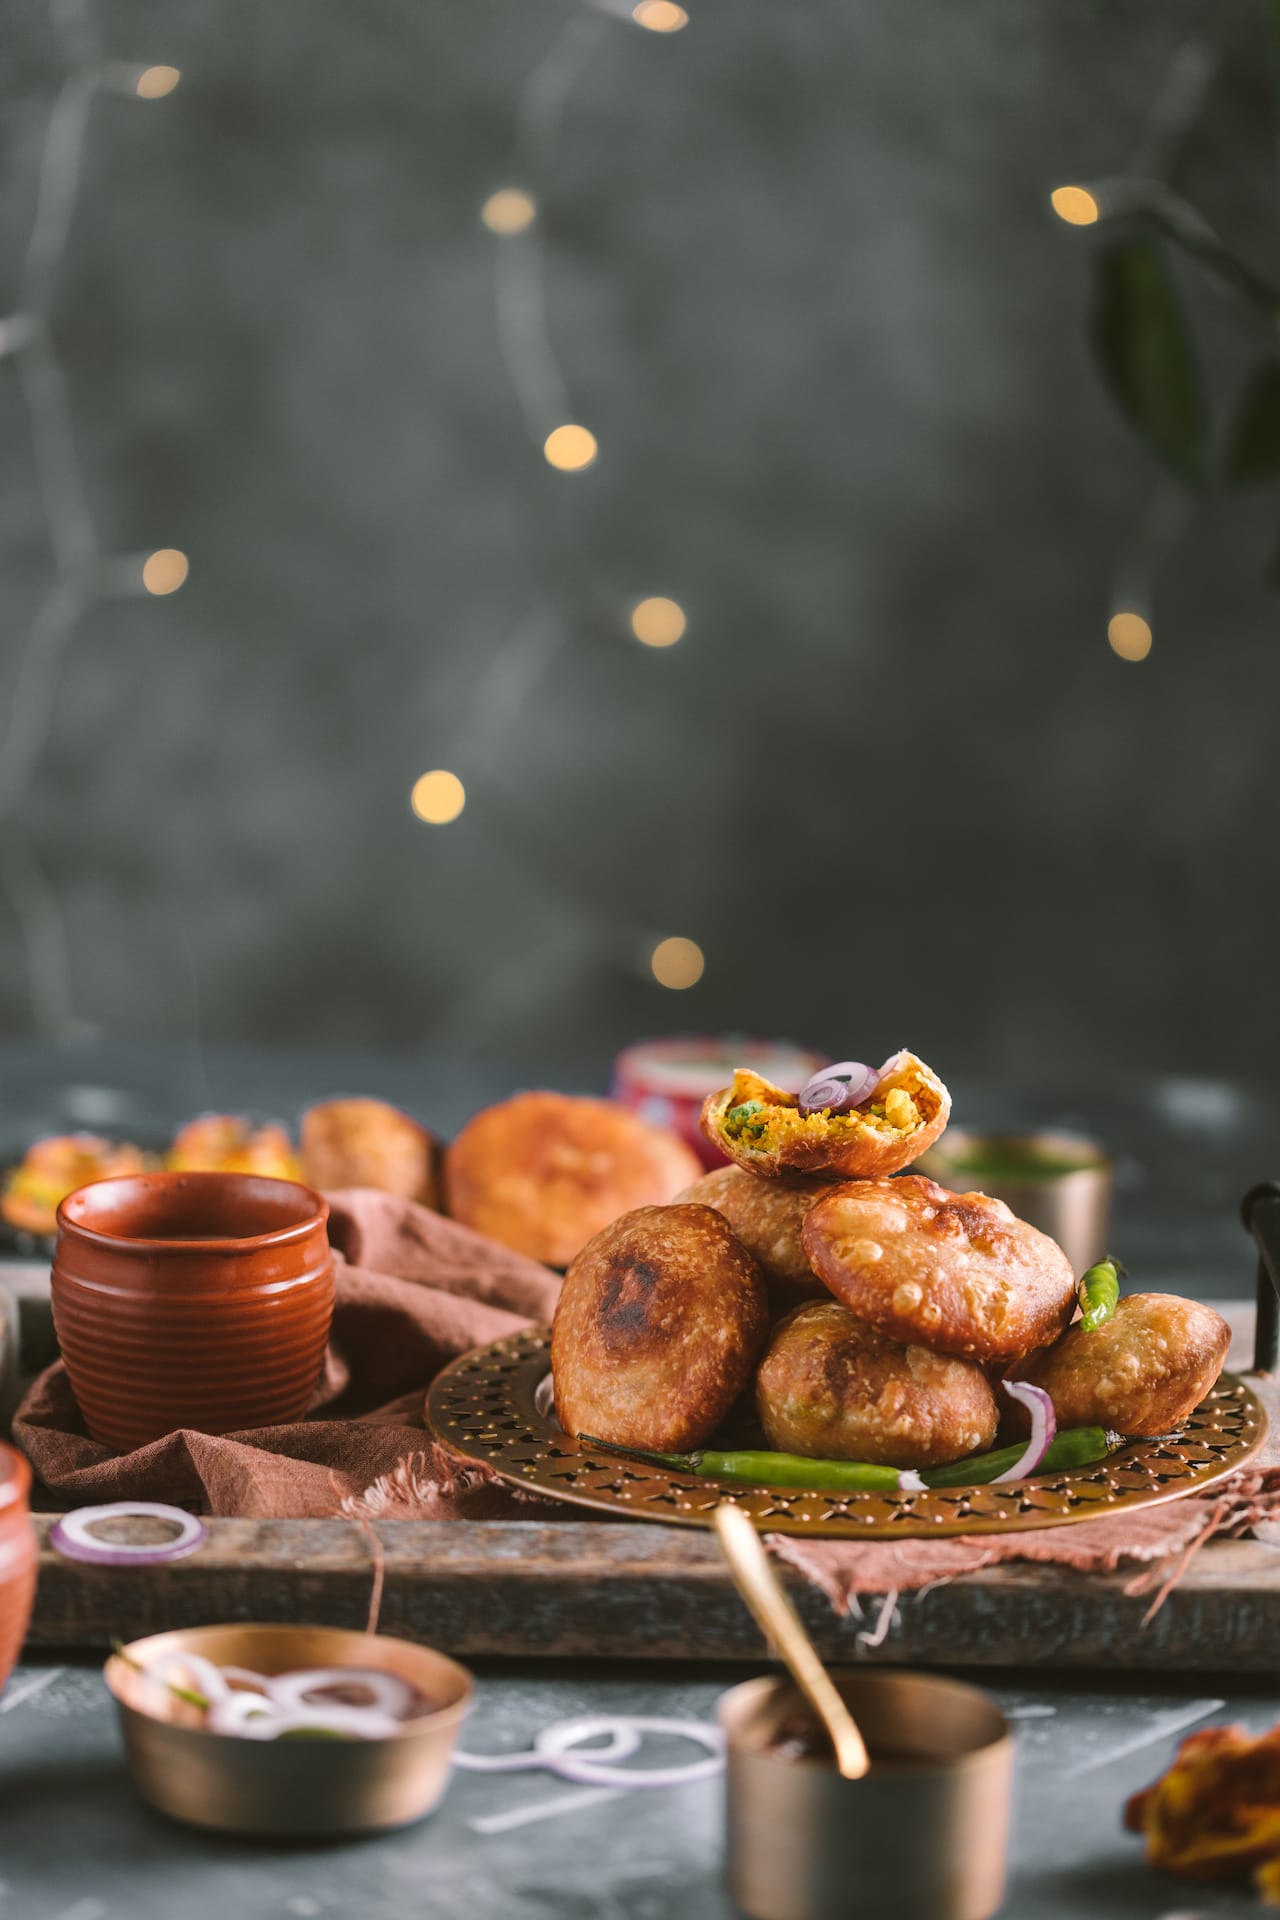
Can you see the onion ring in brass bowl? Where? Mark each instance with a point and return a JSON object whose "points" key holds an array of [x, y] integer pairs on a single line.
{"points": [[493, 1405]]}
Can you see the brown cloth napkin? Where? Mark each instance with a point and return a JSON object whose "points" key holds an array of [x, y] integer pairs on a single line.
{"points": [[413, 1290]]}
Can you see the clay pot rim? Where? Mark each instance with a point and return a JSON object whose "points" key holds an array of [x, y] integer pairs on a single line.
{"points": [[15, 1477], [317, 1215]]}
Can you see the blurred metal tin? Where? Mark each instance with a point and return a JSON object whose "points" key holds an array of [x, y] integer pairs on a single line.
{"points": [[300, 1789], [1068, 1195], [923, 1836]]}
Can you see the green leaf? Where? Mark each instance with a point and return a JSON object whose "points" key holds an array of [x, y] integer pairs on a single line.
{"points": [[1253, 444], [1146, 352]]}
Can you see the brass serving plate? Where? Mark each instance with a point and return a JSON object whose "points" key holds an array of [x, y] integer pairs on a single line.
{"points": [[493, 1405]]}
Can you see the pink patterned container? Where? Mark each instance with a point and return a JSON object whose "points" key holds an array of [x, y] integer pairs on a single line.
{"points": [[666, 1081]]}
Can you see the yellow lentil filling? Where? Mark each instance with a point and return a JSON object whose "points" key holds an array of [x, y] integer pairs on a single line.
{"points": [[763, 1125]]}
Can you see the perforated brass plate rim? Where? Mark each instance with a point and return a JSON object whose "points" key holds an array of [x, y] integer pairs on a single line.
{"points": [[492, 1405]]}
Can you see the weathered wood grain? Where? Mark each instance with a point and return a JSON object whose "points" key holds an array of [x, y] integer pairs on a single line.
{"points": [[527, 1588]]}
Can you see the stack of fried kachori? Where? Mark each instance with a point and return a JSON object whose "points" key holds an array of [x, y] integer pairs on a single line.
{"points": [[873, 1312]]}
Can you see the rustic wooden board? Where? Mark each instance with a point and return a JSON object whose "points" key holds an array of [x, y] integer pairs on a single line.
{"points": [[585, 1588], [589, 1588]]}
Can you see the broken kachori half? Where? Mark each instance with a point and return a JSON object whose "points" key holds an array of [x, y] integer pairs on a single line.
{"points": [[657, 1330], [543, 1172], [833, 1387], [767, 1216], [367, 1143], [849, 1122], [1142, 1372], [957, 1272]]}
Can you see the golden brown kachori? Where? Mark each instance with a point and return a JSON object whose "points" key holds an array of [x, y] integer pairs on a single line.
{"points": [[367, 1143], [543, 1172], [1141, 1372], [957, 1272], [767, 1216], [657, 1329], [832, 1387], [760, 1126]]}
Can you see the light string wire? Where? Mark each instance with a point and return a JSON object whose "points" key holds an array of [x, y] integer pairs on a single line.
{"points": [[521, 662], [82, 572]]}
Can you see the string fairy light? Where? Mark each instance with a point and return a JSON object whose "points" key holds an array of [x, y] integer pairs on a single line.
{"points": [[438, 797], [1129, 634], [658, 622], [83, 574], [677, 962], [512, 214]]}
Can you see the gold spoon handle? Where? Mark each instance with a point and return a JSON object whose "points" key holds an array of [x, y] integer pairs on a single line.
{"points": [[774, 1614]]}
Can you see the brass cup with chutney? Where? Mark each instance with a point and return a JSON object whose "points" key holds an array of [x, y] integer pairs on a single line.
{"points": [[1058, 1182], [196, 1300], [923, 1835]]}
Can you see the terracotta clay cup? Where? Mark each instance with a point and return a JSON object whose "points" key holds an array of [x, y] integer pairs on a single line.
{"points": [[198, 1300], [17, 1558]]}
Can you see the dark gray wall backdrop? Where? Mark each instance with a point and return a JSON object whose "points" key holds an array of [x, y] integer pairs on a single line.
{"points": [[802, 281]]}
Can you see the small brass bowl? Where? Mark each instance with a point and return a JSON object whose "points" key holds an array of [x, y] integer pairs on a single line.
{"points": [[1059, 1182], [923, 1836], [304, 1789]]}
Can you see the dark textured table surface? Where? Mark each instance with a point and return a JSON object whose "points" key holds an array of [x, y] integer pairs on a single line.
{"points": [[76, 1845]]}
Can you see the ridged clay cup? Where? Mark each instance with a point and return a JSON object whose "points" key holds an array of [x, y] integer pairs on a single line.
{"points": [[198, 1300]]}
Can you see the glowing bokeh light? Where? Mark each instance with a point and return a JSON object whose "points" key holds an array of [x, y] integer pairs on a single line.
{"points": [[1075, 205], [677, 962], [658, 622], [1129, 635], [659, 16], [509, 210], [438, 797], [154, 82], [570, 448], [165, 570]]}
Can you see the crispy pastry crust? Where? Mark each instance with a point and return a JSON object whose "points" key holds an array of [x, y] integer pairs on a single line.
{"points": [[657, 1329], [767, 1216], [1141, 1372], [778, 1140], [224, 1143], [832, 1387], [366, 1143], [544, 1171], [957, 1272]]}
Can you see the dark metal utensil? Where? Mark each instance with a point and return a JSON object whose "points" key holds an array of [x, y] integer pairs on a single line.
{"points": [[1260, 1210]]}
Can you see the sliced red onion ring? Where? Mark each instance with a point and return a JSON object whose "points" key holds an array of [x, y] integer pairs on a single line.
{"points": [[1043, 1427], [838, 1089], [387, 1692], [892, 1064], [590, 1770], [72, 1537], [249, 1717], [623, 1742]]}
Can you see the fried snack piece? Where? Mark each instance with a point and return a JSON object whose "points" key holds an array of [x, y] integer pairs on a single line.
{"points": [[657, 1329], [221, 1143], [761, 1128], [1217, 1809], [767, 1216], [957, 1272], [366, 1143], [544, 1171], [53, 1168], [1141, 1372], [832, 1387]]}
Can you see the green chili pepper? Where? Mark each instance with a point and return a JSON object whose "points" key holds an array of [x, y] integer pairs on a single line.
{"points": [[1077, 1447], [1098, 1290], [1073, 1447]]}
